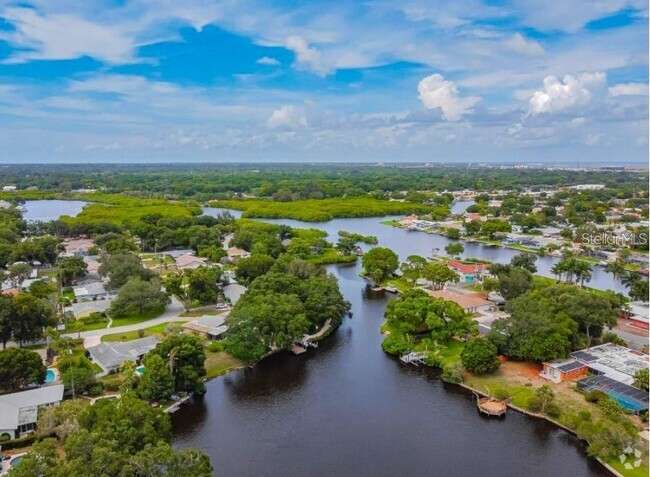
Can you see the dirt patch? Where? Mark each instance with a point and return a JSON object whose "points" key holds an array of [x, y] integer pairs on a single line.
{"points": [[521, 370]]}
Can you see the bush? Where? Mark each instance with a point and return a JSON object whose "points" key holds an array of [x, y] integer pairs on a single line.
{"points": [[20, 442], [216, 346], [595, 396], [395, 345], [453, 373], [534, 404], [553, 410], [480, 356]]}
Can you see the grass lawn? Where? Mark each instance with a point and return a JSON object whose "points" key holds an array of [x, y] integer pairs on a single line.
{"points": [[400, 283], [137, 318], [641, 471], [220, 363], [157, 330], [98, 325], [331, 255]]}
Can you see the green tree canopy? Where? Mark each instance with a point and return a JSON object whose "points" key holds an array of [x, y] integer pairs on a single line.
{"points": [[20, 367], [379, 263], [479, 356]]}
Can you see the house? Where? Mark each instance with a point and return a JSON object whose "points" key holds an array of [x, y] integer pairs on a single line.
{"points": [[189, 262], [19, 411], [550, 231], [110, 355], [78, 247], [629, 397], [233, 292], [614, 361], [471, 302], [92, 266], [213, 327], [91, 291], [237, 253], [468, 271], [9, 188], [560, 370], [4, 204], [178, 253], [406, 221]]}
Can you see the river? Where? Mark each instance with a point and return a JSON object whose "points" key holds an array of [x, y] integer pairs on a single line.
{"points": [[349, 409]]}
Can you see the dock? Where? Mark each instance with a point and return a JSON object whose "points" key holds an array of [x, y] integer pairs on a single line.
{"points": [[491, 406], [413, 358], [297, 349]]}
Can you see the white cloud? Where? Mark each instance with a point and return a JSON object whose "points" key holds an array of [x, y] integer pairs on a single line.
{"points": [[629, 89], [520, 44], [437, 93], [63, 37], [571, 91], [307, 57], [268, 61], [287, 117]]}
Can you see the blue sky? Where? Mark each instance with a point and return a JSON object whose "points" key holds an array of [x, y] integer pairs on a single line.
{"points": [[377, 80]]}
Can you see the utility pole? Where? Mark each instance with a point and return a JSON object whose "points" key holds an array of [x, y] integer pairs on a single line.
{"points": [[72, 372]]}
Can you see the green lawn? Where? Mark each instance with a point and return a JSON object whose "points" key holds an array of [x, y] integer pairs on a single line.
{"points": [[642, 471], [220, 363], [137, 318], [157, 330], [331, 255], [99, 325]]}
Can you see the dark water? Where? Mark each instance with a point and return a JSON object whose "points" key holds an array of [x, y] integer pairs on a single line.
{"points": [[347, 409], [419, 243], [46, 210]]}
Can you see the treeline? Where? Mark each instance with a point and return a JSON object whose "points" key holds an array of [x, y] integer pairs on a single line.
{"points": [[328, 209], [298, 181]]}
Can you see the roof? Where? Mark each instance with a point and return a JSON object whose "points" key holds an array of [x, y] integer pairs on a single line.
{"points": [[78, 245], [178, 253], [464, 301], [110, 355], [617, 362], [213, 325], [187, 260], [233, 292], [234, 252], [11, 404], [628, 396], [91, 288], [467, 268], [565, 365]]}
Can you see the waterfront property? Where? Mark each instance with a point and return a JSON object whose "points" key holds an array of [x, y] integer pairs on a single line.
{"points": [[471, 302], [468, 272], [629, 397], [614, 361], [19, 411], [110, 355], [560, 370], [212, 327]]}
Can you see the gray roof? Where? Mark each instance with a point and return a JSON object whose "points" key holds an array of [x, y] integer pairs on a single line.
{"points": [[233, 292], [11, 404], [90, 288], [112, 355], [177, 253], [212, 321]]}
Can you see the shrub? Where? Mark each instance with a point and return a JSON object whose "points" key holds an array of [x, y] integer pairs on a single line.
{"points": [[501, 393], [534, 404], [20, 442], [394, 345], [453, 373], [480, 356], [553, 410], [595, 396], [216, 346]]}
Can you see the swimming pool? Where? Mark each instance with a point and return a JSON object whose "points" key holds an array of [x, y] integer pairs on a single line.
{"points": [[15, 461], [50, 376]]}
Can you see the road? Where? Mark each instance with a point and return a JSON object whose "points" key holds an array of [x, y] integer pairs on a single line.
{"points": [[172, 313]]}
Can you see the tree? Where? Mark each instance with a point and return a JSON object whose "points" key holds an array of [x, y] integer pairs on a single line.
{"points": [[453, 372], [203, 285], [248, 269], [120, 267], [41, 460], [452, 233], [544, 396], [29, 316], [127, 375], [413, 267], [81, 378], [213, 253], [18, 273], [479, 356], [492, 226], [515, 282], [616, 268], [525, 261], [174, 284], [138, 297], [454, 249], [642, 378], [6, 318], [347, 245], [379, 263], [20, 367], [185, 357], [70, 269], [78, 327], [157, 381], [439, 274]]}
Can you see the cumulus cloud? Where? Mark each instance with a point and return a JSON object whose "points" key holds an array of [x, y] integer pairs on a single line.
{"points": [[307, 58], [629, 89], [437, 93], [287, 117], [268, 61], [520, 44], [567, 93], [63, 37]]}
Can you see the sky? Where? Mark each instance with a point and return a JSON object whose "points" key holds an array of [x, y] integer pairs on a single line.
{"points": [[95, 81]]}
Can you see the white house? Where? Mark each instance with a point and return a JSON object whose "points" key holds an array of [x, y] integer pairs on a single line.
{"points": [[19, 411], [235, 253]]}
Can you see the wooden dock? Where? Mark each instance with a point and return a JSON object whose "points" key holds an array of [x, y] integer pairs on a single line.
{"points": [[491, 406]]}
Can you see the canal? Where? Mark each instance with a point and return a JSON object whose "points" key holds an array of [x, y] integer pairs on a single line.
{"points": [[349, 409]]}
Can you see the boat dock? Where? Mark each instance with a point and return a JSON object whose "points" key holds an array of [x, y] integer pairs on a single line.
{"points": [[413, 358], [491, 406]]}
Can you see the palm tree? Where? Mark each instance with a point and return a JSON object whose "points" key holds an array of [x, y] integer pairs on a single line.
{"points": [[616, 268], [79, 326], [582, 271]]}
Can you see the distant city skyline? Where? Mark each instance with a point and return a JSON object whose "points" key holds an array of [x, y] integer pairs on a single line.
{"points": [[496, 81]]}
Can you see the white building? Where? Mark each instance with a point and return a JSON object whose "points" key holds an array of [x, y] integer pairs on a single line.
{"points": [[19, 411]]}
